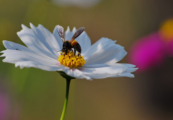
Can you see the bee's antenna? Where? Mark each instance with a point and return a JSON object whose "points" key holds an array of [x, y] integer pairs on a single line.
{"points": [[61, 33]]}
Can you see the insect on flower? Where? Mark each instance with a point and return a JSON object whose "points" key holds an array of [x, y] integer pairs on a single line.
{"points": [[69, 44]]}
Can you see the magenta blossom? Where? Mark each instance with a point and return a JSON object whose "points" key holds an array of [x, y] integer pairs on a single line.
{"points": [[150, 51]]}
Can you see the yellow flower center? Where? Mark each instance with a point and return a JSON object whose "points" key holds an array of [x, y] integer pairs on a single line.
{"points": [[71, 60]]}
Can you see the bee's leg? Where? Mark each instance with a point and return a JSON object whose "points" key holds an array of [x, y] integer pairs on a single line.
{"points": [[78, 48], [71, 50], [74, 51], [66, 51], [78, 53]]}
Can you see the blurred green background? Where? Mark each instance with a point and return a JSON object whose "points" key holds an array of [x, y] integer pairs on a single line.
{"points": [[34, 94]]}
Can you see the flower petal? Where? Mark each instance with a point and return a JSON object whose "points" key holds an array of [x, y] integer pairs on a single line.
{"points": [[49, 38], [27, 58], [95, 65], [103, 51], [14, 46], [37, 39], [34, 64], [117, 70], [69, 34], [75, 73]]}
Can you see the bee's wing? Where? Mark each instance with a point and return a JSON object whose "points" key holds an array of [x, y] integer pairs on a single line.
{"points": [[77, 33], [61, 32]]}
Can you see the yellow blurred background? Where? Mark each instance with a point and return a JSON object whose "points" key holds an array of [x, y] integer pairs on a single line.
{"points": [[34, 94]]}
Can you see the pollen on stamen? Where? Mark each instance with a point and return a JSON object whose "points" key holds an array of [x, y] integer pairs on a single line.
{"points": [[70, 60]]}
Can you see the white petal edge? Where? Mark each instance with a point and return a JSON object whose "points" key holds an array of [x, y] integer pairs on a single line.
{"points": [[46, 37], [29, 59], [117, 70], [69, 34], [49, 38], [75, 73], [33, 64], [14, 46], [32, 41], [103, 51]]}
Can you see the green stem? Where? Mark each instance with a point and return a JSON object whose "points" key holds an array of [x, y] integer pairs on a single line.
{"points": [[66, 98]]}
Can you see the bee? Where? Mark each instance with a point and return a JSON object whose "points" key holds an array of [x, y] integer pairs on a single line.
{"points": [[69, 44]]}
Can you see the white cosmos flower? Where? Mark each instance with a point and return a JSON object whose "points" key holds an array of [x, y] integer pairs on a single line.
{"points": [[43, 49]]}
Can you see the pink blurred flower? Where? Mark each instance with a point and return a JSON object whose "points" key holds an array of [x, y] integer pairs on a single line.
{"points": [[150, 51]]}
